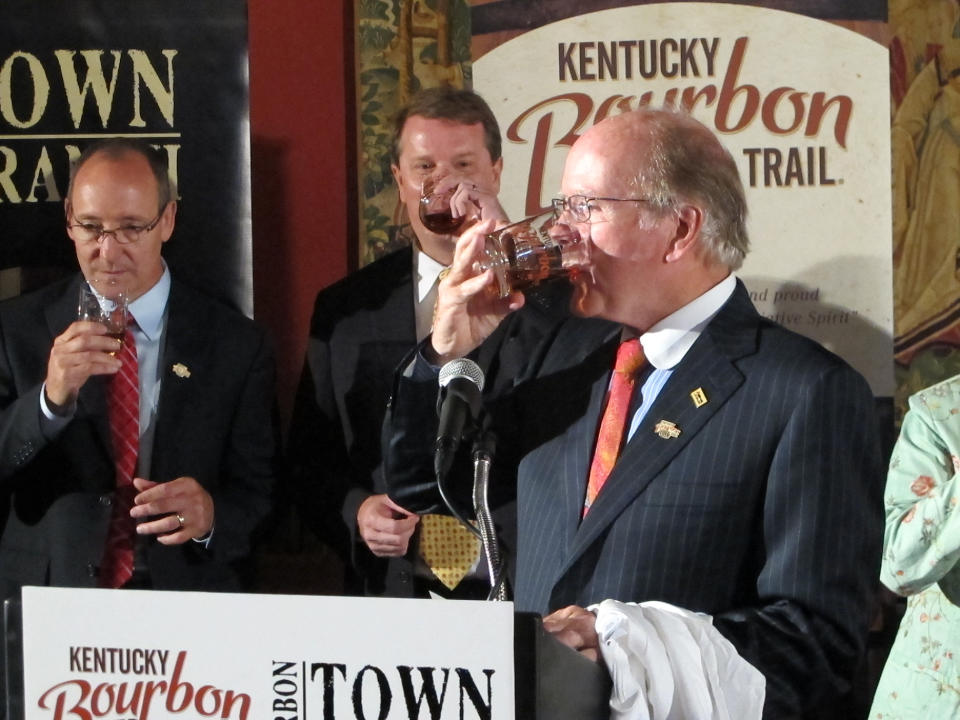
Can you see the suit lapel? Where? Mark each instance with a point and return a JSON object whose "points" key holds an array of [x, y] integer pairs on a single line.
{"points": [[582, 355], [182, 364], [394, 323], [708, 367]]}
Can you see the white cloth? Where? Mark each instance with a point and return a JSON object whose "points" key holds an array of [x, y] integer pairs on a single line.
{"points": [[667, 663]]}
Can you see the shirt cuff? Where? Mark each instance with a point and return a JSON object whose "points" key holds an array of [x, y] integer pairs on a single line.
{"points": [[204, 539], [53, 421]]}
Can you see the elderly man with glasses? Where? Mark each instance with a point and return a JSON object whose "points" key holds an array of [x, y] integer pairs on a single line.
{"points": [[667, 442], [141, 462]]}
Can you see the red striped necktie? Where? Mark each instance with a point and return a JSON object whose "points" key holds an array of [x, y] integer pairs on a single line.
{"points": [[123, 411], [630, 359]]}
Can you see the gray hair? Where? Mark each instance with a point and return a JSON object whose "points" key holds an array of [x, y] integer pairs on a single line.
{"points": [[687, 164]]}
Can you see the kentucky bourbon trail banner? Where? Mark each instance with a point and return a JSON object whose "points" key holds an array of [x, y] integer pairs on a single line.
{"points": [[163, 655], [802, 104], [173, 72]]}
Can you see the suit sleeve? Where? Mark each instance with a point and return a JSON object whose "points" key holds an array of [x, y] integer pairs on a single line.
{"points": [[21, 436], [922, 534], [244, 497], [409, 435], [820, 531], [511, 354], [324, 487]]}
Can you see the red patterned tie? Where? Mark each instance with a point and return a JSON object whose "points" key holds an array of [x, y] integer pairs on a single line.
{"points": [[123, 410], [610, 438]]}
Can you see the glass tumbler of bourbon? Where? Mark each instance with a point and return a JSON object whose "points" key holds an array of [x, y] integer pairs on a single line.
{"points": [[534, 250]]}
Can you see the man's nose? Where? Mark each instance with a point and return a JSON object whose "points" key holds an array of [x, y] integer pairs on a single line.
{"points": [[110, 249]]}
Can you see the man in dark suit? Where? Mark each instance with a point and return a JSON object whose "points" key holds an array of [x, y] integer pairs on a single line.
{"points": [[203, 439], [365, 324], [747, 480]]}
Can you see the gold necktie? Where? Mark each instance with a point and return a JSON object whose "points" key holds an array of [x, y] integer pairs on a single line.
{"points": [[448, 548]]}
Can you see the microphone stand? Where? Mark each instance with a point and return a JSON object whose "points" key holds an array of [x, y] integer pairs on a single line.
{"points": [[482, 460]]}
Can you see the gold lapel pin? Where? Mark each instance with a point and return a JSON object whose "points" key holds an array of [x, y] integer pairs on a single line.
{"points": [[667, 430], [181, 370], [699, 397]]}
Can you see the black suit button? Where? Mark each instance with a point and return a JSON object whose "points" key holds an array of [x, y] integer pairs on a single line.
{"points": [[104, 500], [91, 570], [403, 576]]}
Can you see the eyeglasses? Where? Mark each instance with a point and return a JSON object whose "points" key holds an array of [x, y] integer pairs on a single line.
{"points": [[94, 232], [579, 205]]}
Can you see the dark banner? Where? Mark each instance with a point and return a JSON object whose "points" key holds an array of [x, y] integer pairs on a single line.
{"points": [[173, 72], [501, 15]]}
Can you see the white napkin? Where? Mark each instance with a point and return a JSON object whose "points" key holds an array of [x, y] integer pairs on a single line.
{"points": [[668, 663]]}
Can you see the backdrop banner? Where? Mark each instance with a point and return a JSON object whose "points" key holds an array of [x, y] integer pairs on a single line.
{"points": [[173, 72], [802, 104]]}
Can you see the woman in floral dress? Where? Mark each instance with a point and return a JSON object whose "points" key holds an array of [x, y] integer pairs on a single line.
{"points": [[921, 548]]}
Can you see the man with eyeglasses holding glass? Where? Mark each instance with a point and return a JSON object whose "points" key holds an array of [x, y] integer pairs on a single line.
{"points": [[197, 395], [731, 468]]}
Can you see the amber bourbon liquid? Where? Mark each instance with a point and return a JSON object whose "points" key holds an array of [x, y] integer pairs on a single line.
{"points": [[534, 265], [118, 336], [530, 263], [441, 223]]}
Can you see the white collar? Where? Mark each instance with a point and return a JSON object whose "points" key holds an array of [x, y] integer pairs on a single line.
{"points": [[427, 270], [668, 341], [148, 309]]}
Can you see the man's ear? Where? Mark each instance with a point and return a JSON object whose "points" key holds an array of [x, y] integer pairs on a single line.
{"points": [[168, 220], [689, 221], [398, 179], [497, 172]]}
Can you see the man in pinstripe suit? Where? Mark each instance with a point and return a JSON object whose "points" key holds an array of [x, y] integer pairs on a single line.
{"points": [[749, 483]]}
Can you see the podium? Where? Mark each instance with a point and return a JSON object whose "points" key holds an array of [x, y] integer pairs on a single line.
{"points": [[11, 683], [550, 681]]}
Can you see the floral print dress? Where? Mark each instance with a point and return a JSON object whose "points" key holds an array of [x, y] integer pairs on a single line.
{"points": [[921, 548]]}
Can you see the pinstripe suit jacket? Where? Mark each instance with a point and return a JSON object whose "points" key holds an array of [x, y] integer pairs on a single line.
{"points": [[764, 512]]}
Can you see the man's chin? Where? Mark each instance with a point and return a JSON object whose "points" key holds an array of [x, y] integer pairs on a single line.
{"points": [[438, 247]]}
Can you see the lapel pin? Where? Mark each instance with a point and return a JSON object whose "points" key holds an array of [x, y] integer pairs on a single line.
{"points": [[699, 397], [667, 430], [181, 370]]}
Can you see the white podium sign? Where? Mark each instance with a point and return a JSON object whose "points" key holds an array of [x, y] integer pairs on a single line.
{"points": [[92, 654]]}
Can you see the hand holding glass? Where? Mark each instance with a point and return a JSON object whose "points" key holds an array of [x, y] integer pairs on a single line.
{"points": [[533, 250], [112, 312]]}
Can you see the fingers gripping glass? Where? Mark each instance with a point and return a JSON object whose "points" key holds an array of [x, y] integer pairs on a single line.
{"points": [[94, 232], [579, 206]]}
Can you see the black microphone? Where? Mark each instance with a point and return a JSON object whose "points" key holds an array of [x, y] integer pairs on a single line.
{"points": [[461, 382]]}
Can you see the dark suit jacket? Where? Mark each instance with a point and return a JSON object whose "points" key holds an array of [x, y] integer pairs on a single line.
{"points": [[215, 425], [362, 328], [764, 512]]}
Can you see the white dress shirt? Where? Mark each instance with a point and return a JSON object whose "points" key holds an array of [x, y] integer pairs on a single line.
{"points": [[667, 342]]}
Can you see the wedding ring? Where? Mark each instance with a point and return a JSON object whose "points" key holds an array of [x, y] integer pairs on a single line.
{"points": [[181, 519]]}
